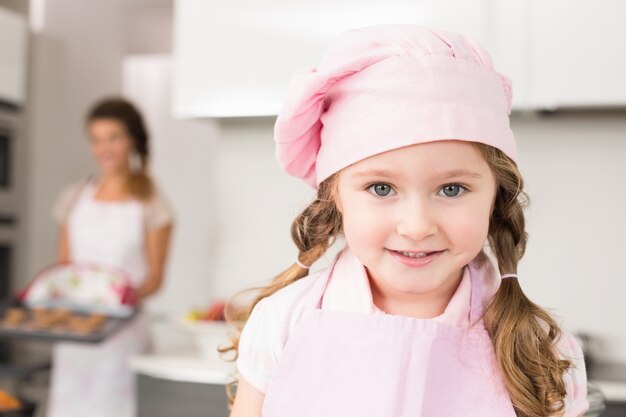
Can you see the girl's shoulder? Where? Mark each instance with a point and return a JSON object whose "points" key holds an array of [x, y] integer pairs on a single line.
{"points": [[266, 332], [283, 308]]}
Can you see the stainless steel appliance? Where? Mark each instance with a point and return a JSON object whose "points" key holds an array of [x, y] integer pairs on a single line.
{"points": [[9, 117], [8, 197]]}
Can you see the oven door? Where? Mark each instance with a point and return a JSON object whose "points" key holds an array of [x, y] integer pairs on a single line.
{"points": [[7, 252], [8, 198]]}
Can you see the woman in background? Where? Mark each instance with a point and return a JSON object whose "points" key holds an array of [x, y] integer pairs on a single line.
{"points": [[117, 218]]}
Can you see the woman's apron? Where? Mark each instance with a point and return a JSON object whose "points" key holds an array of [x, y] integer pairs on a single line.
{"points": [[96, 380], [339, 363]]}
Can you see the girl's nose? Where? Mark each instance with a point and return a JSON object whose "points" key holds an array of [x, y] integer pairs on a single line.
{"points": [[416, 220]]}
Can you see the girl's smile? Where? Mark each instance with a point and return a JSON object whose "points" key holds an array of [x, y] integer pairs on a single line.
{"points": [[415, 259], [415, 216]]}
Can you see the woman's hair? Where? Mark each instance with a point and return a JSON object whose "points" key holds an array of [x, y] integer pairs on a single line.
{"points": [[523, 334], [140, 184]]}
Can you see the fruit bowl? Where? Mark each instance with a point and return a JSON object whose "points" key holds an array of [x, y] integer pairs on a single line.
{"points": [[208, 329]]}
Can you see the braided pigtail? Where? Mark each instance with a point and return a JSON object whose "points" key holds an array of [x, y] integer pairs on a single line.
{"points": [[523, 333], [313, 232]]}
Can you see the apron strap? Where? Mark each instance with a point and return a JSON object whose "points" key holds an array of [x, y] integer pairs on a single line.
{"points": [[479, 266]]}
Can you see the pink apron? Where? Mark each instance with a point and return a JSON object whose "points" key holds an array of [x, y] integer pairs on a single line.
{"points": [[96, 380], [339, 363]]}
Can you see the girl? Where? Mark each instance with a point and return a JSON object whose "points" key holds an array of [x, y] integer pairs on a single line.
{"points": [[117, 218], [404, 131]]}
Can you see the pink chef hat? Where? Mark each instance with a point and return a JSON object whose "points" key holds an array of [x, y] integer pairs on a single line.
{"points": [[383, 87]]}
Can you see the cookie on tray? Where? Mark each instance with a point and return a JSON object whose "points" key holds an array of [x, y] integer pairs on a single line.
{"points": [[86, 324], [14, 316]]}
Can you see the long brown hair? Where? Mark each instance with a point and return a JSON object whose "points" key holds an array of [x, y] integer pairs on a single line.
{"points": [[523, 334], [140, 184]]}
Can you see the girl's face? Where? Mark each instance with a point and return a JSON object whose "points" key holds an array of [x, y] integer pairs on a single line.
{"points": [[432, 199], [110, 144]]}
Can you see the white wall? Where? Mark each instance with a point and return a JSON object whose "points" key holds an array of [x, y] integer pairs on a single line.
{"points": [[147, 26], [183, 164], [575, 168], [256, 203], [20, 6]]}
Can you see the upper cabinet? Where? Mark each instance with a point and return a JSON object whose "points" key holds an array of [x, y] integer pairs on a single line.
{"points": [[578, 53], [13, 40], [235, 58]]}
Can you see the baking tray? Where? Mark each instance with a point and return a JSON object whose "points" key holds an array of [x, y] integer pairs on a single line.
{"points": [[110, 325]]}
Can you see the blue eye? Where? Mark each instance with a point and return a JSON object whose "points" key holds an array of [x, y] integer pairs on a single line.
{"points": [[453, 190], [380, 189]]}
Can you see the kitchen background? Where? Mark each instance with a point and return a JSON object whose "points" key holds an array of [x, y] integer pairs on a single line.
{"points": [[209, 78]]}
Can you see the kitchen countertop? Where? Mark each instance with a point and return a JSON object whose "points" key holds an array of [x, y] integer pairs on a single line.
{"points": [[185, 366], [189, 366]]}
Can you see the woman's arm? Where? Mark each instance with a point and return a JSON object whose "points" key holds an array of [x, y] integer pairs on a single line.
{"points": [[63, 252], [157, 244], [248, 401]]}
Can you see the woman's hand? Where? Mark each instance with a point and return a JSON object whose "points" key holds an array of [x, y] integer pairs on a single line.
{"points": [[129, 297]]}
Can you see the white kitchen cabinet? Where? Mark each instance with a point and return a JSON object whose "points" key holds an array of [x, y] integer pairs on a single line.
{"points": [[508, 45], [578, 53], [235, 58], [13, 37]]}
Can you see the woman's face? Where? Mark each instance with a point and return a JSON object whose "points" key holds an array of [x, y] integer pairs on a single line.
{"points": [[110, 144], [415, 216]]}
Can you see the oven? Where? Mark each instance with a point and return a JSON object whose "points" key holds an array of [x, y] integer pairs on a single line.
{"points": [[8, 197]]}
